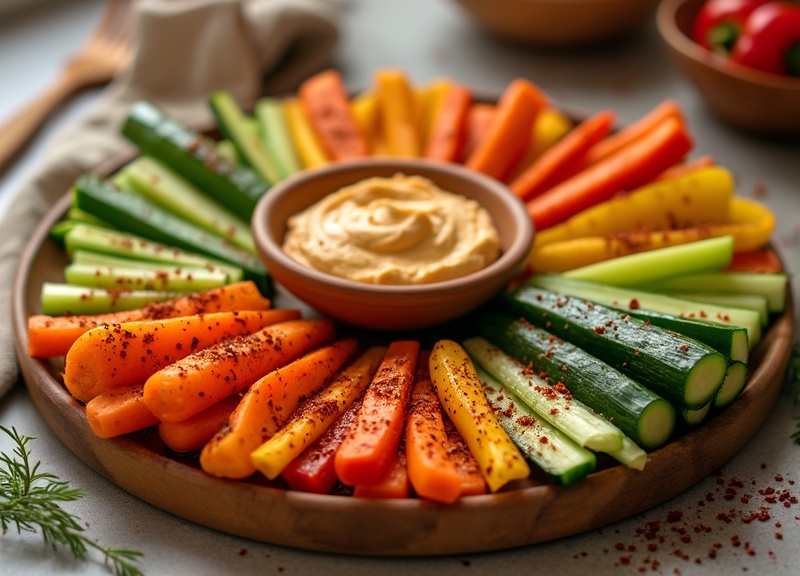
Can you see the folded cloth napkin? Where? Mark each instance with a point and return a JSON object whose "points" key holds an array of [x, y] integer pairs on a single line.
{"points": [[184, 49]]}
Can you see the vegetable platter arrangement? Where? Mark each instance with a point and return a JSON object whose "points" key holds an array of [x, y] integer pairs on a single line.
{"points": [[639, 322]]}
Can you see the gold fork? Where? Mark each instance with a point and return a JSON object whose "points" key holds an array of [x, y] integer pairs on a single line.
{"points": [[105, 51]]}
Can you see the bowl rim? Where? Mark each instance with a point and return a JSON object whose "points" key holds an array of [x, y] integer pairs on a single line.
{"points": [[509, 258], [678, 40]]}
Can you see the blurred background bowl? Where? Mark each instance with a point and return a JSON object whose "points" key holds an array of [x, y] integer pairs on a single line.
{"points": [[752, 100], [558, 23], [391, 307]]}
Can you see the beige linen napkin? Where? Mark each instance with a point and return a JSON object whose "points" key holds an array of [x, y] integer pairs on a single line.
{"points": [[184, 50]]}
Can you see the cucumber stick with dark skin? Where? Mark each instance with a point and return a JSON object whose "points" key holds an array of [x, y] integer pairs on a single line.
{"points": [[639, 412], [134, 214], [684, 371], [195, 157]]}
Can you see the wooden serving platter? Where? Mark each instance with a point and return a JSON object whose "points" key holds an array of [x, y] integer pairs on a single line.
{"points": [[523, 514]]}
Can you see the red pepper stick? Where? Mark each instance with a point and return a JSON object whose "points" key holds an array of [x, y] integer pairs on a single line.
{"points": [[366, 453], [635, 164], [533, 180], [313, 470]]}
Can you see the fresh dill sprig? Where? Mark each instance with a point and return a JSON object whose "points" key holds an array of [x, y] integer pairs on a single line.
{"points": [[31, 499]]}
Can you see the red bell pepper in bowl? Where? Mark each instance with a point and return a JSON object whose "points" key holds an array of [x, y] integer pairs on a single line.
{"points": [[770, 39], [719, 23]]}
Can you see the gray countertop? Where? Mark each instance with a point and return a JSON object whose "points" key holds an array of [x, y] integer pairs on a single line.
{"points": [[734, 521]]}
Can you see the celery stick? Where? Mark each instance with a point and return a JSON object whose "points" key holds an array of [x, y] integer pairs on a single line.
{"points": [[547, 447], [162, 186], [58, 298], [772, 286], [276, 135], [133, 247], [98, 259], [631, 454], [572, 417], [754, 302], [657, 265], [172, 280]]}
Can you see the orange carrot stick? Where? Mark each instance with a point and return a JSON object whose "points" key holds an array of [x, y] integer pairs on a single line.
{"points": [[119, 412], [192, 384], [756, 261], [393, 484], [446, 137], [116, 355], [313, 471], [533, 179], [50, 336], [632, 166], [267, 405], [193, 433], [633, 132], [327, 105], [469, 472], [397, 113], [509, 134], [366, 453], [479, 118], [431, 472]]}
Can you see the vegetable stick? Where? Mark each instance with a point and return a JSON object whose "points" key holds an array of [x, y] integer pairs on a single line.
{"points": [[469, 473], [700, 197], [433, 95], [508, 135], [431, 472], [366, 452], [533, 180], [479, 118], [119, 412], [634, 131], [762, 261], [365, 112], [309, 148], [116, 355], [461, 393], [686, 167], [266, 407], [551, 125], [192, 384], [193, 433], [447, 129], [393, 484], [626, 169], [314, 416], [313, 470], [327, 105], [397, 112], [50, 336]]}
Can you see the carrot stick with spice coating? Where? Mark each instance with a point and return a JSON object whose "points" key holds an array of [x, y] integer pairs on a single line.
{"points": [[469, 472], [119, 411], [267, 405], [50, 336], [192, 384], [393, 484], [117, 355], [366, 453], [431, 472], [313, 417], [193, 433], [446, 137]]}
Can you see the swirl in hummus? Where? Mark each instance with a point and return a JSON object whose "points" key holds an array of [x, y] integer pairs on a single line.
{"points": [[398, 230]]}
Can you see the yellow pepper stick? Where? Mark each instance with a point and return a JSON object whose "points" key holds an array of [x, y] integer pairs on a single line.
{"points": [[365, 110], [460, 392], [397, 113], [308, 145], [429, 100], [550, 126], [698, 197], [312, 419]]}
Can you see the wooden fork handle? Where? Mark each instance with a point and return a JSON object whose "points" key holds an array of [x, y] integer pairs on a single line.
{"points": [[17, 132]]}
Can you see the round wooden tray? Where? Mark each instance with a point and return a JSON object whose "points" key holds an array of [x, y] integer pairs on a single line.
{"points": [[522, 515]]}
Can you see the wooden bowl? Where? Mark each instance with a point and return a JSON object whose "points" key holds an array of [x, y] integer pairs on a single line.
{"points": [[391, 307], [558, 23], [755, 101]]}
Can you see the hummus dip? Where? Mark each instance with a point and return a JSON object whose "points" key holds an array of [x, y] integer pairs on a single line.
{"points": [[398, 230]]}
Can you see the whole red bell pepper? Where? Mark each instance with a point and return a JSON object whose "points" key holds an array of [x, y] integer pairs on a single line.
{"points": [[770, 39], [719, 23]]}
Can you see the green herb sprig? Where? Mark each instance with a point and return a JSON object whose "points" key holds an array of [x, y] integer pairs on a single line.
{"points": [[31, 499]]}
